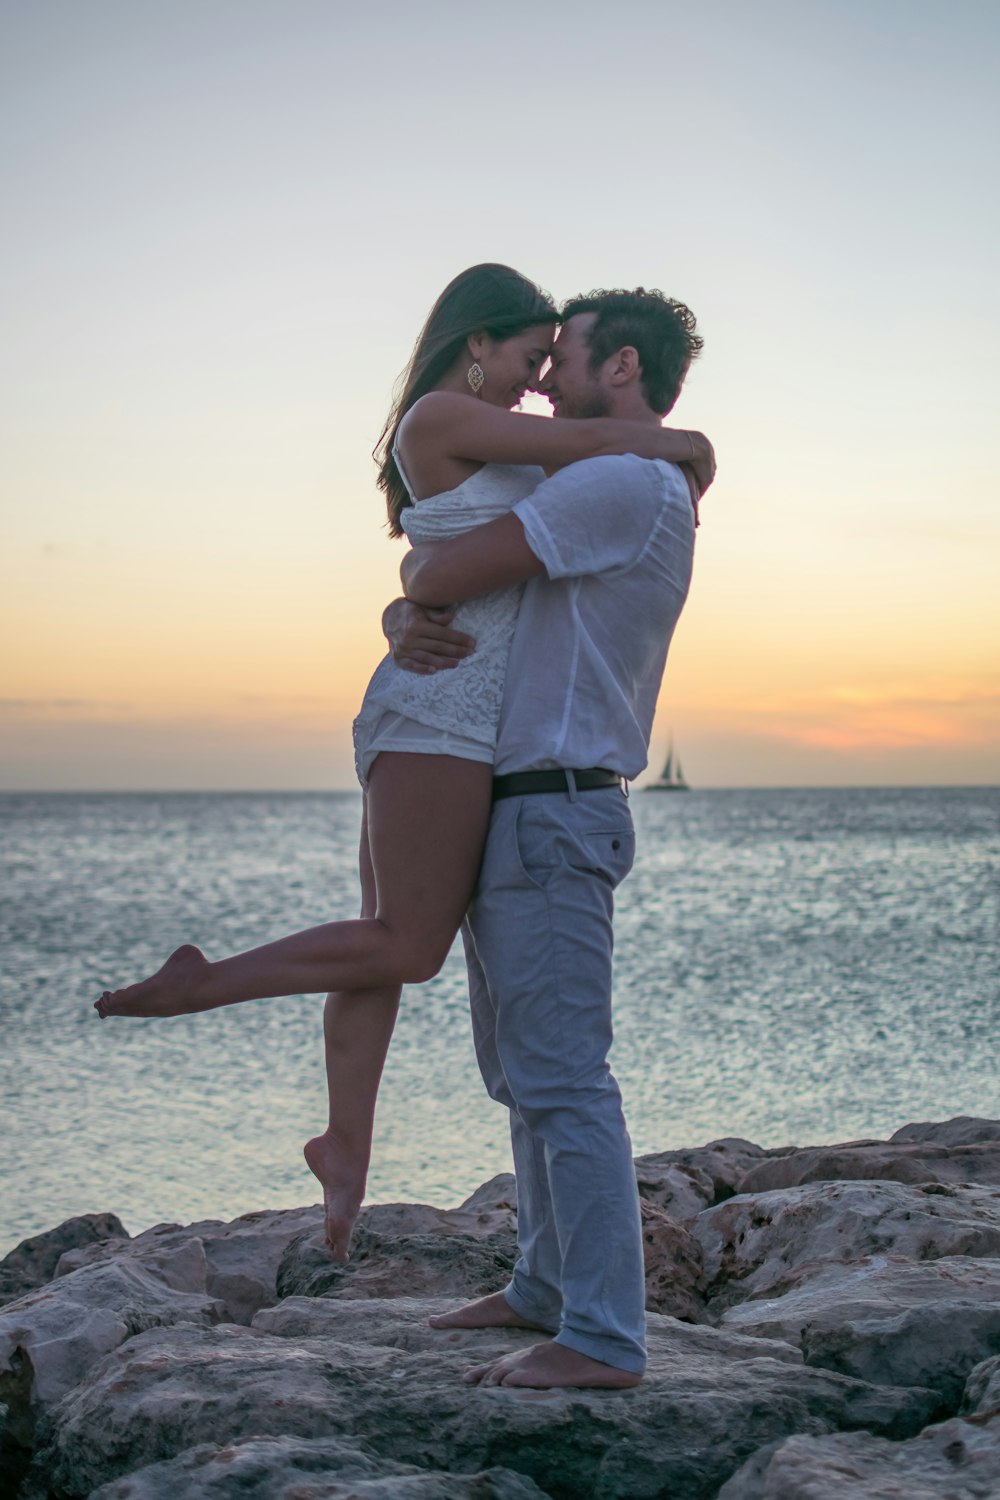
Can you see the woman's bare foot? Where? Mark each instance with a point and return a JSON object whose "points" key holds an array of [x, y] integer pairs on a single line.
{"points": [[343, 1178], [174, 990], [546, 1367], [489, 1312]]}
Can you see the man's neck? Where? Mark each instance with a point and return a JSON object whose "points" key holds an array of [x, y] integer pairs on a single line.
{"points": [[630, 407]]}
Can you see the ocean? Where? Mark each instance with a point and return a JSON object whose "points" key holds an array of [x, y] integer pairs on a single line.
{"points": [[799, 966]]}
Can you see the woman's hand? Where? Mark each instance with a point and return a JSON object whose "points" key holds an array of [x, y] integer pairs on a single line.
{"points": [[693, 451], [693, 490], [420, 640]]}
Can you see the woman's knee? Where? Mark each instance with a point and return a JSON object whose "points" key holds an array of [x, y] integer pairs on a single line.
{"points": [[424, 960]]}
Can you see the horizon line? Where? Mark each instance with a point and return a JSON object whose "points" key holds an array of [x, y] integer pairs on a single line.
{"points": [[195, 791]]}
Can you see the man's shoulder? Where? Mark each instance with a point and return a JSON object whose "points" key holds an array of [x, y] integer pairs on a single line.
{"points": [[648, 475], [602, 513], [623, 467], [670, 479], [621, 473]]}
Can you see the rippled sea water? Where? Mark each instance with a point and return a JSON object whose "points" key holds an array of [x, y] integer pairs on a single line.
{"points": [[791, 966]]}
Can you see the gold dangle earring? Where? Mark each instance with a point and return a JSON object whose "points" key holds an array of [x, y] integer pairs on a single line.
{"points": [[476, 376]]}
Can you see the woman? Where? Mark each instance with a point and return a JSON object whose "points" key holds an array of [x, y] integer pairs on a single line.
{"points": [[424, 744]]}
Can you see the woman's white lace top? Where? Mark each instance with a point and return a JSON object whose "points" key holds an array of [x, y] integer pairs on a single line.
{"points": [[464, 699]]}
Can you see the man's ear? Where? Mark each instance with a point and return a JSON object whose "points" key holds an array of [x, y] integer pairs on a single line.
{"points": [[624, 367]]}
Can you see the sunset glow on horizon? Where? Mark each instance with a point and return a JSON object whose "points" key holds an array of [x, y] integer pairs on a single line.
{"points": [[227, 226]]}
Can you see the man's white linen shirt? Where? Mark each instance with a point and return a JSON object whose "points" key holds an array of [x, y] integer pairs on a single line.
{"points": [[616, 538]]}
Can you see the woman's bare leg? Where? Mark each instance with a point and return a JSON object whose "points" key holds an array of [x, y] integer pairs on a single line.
{"points": [[427, 822], [339, 1157], [357, 1029]]}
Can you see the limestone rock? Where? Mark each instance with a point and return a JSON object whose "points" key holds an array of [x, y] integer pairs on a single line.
{"points": [[283, 1468], [680, 1191], [499, 1197], [241, 1257], [411, 1249], [489, 1212], [15, 1451], [50, 1339], [913, 1162], [377, 1373], [407, 1249], [33, 1262], [751, 1244], [957, 1460], [672, 1260], [118, 1374], [963, 1130], [887, 1320], [177, 1259], [982, 1389], [724, 1163], [401, 1323]]}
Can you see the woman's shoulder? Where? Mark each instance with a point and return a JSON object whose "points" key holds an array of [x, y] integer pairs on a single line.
{"points": [[433, 410]]}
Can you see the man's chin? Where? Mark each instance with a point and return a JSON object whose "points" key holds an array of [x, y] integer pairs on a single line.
{"points": [[583, 410], [566, 409]]}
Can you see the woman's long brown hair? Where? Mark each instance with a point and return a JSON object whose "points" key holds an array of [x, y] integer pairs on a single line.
{"points": [[489, 298]]}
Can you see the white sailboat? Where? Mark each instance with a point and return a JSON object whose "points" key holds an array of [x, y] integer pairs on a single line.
{"points": [[672, 776]]}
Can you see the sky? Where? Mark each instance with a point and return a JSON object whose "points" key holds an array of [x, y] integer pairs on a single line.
{"points": [[225, 224]]}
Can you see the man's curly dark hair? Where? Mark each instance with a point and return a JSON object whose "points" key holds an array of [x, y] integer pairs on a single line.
{"points": [[659, 328]]}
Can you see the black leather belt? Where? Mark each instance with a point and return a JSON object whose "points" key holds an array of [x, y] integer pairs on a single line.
{"points": [[526, 783]]}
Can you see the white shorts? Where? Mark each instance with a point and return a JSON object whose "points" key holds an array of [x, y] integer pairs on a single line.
{"points": [[388, 730]]}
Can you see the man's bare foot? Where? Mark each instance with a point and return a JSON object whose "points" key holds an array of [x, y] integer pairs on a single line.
{"points": [[546, 1367], [489, 1312], [343, 1179], [171, 991]]}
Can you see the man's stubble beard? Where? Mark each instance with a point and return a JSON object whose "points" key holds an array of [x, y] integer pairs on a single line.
{"points": [[597, 404]]}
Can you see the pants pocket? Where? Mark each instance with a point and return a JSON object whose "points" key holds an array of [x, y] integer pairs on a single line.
{"points": [[595, 839], [609, 855]]}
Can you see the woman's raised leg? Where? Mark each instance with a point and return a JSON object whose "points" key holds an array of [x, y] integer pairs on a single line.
{"points": [[427, 822], [357, 1030]]}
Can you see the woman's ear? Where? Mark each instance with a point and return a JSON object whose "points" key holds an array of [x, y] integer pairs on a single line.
{"points": [[477, 344]]}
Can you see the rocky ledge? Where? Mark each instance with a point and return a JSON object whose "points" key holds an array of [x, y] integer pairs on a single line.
{"points": [[824, 1324]]}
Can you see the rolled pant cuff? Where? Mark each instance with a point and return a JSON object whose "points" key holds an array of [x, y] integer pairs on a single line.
{"points": [[525, 1310], [607, 1351]]}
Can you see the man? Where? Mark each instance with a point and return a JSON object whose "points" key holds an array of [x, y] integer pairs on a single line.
{"points": [[606, 546]]}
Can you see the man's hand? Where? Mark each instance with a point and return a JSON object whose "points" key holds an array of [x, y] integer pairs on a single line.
{"points": [[420, 640]]}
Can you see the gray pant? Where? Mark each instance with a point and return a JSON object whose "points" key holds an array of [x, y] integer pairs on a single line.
{"points": [[538, 941]]}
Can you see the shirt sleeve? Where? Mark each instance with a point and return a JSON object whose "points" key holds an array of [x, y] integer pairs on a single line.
{"points": [[598, 514]]}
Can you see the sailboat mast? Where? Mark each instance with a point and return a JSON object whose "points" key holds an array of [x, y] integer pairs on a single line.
{"points": [[671, 777], [668, 769]]}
